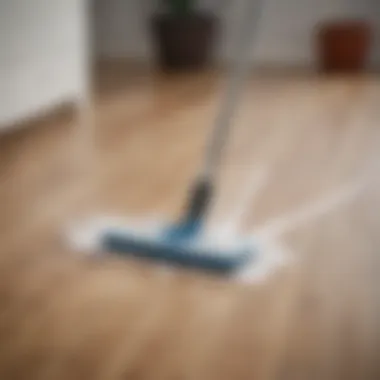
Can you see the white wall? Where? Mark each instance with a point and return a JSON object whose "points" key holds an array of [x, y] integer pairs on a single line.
{"points": [[121, 28], [284, 35], [42, 55]]}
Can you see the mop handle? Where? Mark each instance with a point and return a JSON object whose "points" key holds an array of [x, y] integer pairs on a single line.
{"points": [[202, 192], [235, 83]]}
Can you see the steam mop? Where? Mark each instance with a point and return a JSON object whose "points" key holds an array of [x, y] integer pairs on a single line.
{"points": [[185, 243]]}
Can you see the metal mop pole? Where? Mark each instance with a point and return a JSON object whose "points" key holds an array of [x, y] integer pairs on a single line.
{"points": [[203, 189]]}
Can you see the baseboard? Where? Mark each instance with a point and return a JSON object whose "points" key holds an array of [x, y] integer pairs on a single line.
{"points": [[106, 66], [63, 112], [130, 68]]}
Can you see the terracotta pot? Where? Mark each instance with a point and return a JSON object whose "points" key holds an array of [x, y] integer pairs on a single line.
{"points": [[344, 46], [184, 42]]}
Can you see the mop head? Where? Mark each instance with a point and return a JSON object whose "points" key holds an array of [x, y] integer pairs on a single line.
{"points": [[185, 245]]}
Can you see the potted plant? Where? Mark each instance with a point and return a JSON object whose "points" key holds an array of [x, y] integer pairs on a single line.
{"points": [[183, 35], [344, 45]]}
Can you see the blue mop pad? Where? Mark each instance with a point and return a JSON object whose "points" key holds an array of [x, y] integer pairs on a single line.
{"points": [[182, 245], [185, 243]]}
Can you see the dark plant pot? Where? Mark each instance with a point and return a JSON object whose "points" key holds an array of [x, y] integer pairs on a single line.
{"points": [[184, 42], [344, 46]]}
